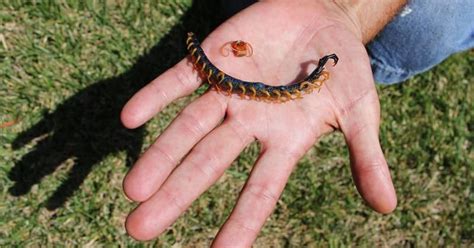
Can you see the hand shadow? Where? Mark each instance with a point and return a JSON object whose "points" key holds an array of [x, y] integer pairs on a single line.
{"points": [[86, 127]]}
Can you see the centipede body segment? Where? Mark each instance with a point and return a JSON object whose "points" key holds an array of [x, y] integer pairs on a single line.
{"points": [[256, 90]]}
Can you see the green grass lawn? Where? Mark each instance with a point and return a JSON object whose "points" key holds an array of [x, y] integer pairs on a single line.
{"points": [[67, 69]]}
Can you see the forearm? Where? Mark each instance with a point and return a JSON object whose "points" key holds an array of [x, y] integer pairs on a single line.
{"points": [[369, 16]]}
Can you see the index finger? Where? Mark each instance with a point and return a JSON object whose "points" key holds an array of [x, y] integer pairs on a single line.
{"points": [[176, 82]]}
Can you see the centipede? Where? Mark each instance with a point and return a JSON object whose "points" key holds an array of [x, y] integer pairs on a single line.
{"points": [[229, 85]]}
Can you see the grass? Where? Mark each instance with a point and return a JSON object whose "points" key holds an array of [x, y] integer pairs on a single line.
{"points": [[65, 71]]}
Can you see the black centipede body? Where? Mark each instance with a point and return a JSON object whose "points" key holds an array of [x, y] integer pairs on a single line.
{"points": [[255, 90]]}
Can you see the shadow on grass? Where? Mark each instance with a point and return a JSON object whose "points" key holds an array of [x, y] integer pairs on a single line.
{"points": [[87, 128]]}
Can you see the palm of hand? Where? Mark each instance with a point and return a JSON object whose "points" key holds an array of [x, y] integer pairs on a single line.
{"points": [[283, 48]]}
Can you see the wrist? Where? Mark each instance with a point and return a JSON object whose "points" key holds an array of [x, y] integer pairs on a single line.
{"points": [[348, 16], [366, 17]]}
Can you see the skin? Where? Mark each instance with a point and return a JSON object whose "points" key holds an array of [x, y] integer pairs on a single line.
{"points": [[211, 132]]}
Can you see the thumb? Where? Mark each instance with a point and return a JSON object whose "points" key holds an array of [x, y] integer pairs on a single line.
{"points": [[369, 168]]}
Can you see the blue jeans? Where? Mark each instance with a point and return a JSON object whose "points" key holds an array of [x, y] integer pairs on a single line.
{"points": [[422, 35]]}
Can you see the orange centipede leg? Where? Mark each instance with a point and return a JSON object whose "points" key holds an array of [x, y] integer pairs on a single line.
{"points": [[229, 91], [218, 89], [254, 93], [325, 75], [221, 77], [287, 95], [209, 75], [277, 93], [190, 37], [304, 85], [190, 45], [307, 87], [242, 94], [197, 60], [310, 89], [298, 94], [321, 86], [267, 94], [318, 84]]}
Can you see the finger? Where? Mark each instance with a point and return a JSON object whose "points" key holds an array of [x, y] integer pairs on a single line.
{"points": [[191, 125], [178, 81], [369, 168], [201, 168], [257, 200]]}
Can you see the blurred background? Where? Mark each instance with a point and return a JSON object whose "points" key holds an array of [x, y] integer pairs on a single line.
{"points": [[68, 67]]}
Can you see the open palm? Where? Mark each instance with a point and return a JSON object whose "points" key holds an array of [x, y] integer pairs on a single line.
{"points": [[287, 39]]}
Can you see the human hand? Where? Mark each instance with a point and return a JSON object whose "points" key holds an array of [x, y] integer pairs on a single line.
{"points": [[287, 38]]}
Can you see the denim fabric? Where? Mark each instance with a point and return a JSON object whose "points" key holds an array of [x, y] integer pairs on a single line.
{"points": [[423, 34]]}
